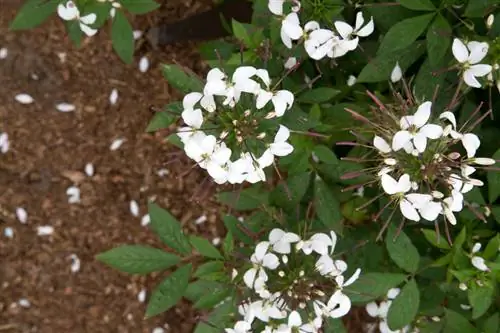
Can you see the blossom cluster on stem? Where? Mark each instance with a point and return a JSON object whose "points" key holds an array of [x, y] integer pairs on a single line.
{"points": [[294, 284]]}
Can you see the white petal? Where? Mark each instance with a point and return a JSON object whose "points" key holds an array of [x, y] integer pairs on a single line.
{"points": [[281, 149], [249, 277], [311, 26], [263, 97], [264, 76], [450, 117], [409, 211], [24, 99], [471, 143], [483, 161], [479, 263], [276, 6], [68, 12], [290, 62], [450, 216], [276, 235], [396, 74], [341, 303], [190, 100], [22, 215], [367, 30], [294, 319], [75, 263], [243, 73], [291, 26], [270, 261], [88, 30], [282, 101], [476, 247], [480, 70], [400, 139], [221, 154], [351, 80], [471, 80], [431, 131], [144, 64], [134, 208], [287, 41], [420, 142], [389, 184], [261, 250], [404, 183], [478, 51], [460, 51], [65, 107], [359, 21], [282, 135], [45, 230], [353, 278], [145, 220], [422, 115], [406, 122], [208, 103], [113, 97], [4, 52], [431, 211], [393, 293], [381, 144], [419, 200], [116, 144], [344, 29], [89, 19], [372, 309], [215, 74], [137, 34]]}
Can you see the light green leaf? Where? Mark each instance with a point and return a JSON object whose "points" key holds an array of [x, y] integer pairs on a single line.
{"points": [[434, 239], [204, 247], [494, 181], [140, 6], [401, 250], [404, 308], [480, 298], [371, 286], [438, 39], [169, 292], [425, 5], [198, 288], [33, 13], [136, 259], [404, 33], [327, 206], [318, 95], [168, 229], [455, 322], [122, 37], [181, 80], [241, 31]]}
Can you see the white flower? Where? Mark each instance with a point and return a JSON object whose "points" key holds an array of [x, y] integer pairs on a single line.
{"points": [[396, 73], [319, 42], [282, 99], [265, 310], [240, 327], [290, 63], [294, 324], [453, 204], [281, 241], [319, 243], [469, 57], [350, 35], [217, 84], [255, 172], [415, 129], [470, 141], [280, 147], [205, 151], [427, 208], [4, 143], [325, 265], [290, 29], [70, 12], [261, 259], [338, 306], [400, 187]]}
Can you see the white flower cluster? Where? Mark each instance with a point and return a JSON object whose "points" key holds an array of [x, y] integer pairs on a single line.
{"points": [[70, 12], [320, 42], [234, 126], [419, 154], [468, 56], [380, 310], [289, 299]]}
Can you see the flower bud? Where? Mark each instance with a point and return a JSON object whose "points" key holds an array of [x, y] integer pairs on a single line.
{"points": [[234, 274], [455, 155], [396, 73], [490, 20], [247, 113], [483, 161], [281, 273], [436, 319], [261, 135], [462, 286], [390, 161], [270, 115], [284, 258]]}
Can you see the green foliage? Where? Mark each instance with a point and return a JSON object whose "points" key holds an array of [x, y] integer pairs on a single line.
{"points": [[401, 250], [404, 308], [168, 229], [205, 248], [327, 206], [180, 79], [140, 6], [494, 181], [371, 286], [33, 13], [122, 37]]}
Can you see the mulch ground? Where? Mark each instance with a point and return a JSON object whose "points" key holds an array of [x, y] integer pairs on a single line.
{"points": [[49, 150]]}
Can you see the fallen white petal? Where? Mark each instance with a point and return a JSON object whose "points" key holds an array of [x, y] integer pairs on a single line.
{"points": [[201, 219], [22, 215], [89, 169], [24, 99], [65, 107], [116, 144], [134, 208], [216, 241], [144, 64], [141, 297], [162, 172], [137, 34], [75, 263], [8, 232], [4, 53], [73, 194], [158, 330], [145, 220], [24, 303], [45, 230], [113, 97]]}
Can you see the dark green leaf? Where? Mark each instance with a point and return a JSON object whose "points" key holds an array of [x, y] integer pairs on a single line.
{"points": [[479, 8], [327, 206], [198, 288], [434, 239], [140, 6], [247, 199], [209, 268], [418, 4], [161, 120], [401, 250], [33, 13], [380, 68], [404, 308], [236, 228], [318, 95], [136, 259], [289, 195], [181, 80], [169, 291], [492, 324], [480, 298], [334, 326], [204, 247], [371, 286], [168, 229], [494, 181], [455, 322], [212, 298], [438, 39], [428, 80], [325, 155], [122, 37], [404, 33], [495, 210], [228, 244]]}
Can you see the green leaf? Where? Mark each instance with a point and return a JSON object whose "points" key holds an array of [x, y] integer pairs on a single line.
{"points": [[438, 241], [137, 259], [327, 206], [325, 155], [491, 249], [480, 298], [182, 81], [140, 6], [247, 199], [494, 181], [455, 322], [33, 13], [205, 248], [438, 39], [198, 288], [75, 33], [235, 227], [211, 299], [241, 31], [418, 4], [404, 308], [380, 68], [495, 210], [404, 33], [289, 195], [371, 286], [479, 8], [168, 229], [492, 324], [228, 244], [161, 120], [209, 268], [318, 95], [428, 79], [334, 326], [169, 292], [122, 37], [401, 250]]}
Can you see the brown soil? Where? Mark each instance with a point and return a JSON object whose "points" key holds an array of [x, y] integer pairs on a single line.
{"points": [[49, 150]]}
